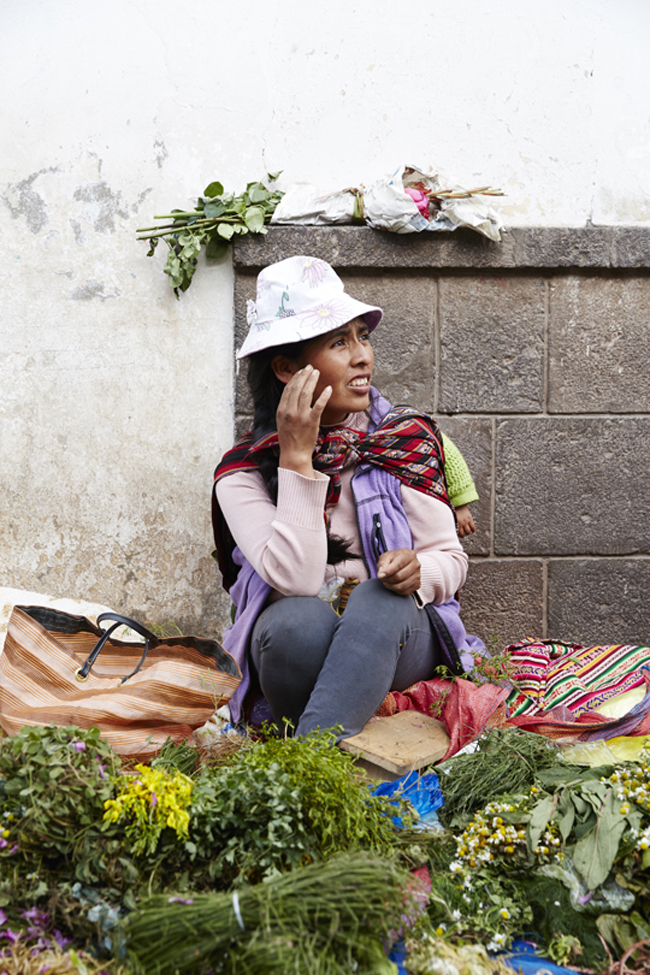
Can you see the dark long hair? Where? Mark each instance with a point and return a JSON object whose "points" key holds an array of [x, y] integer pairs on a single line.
{"points": [[266, 390]]}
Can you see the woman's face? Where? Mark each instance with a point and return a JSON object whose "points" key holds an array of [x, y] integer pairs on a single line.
{"points": [[344, 359]]}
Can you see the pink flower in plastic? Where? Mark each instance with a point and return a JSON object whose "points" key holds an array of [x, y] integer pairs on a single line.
{"points": [[420, 200]]}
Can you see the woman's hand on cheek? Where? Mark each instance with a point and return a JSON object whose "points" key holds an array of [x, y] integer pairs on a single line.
{"points": [[298, 420], [399, 570]]}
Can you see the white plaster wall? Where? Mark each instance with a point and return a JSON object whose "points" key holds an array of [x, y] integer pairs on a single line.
{"points": [[115, 399]]}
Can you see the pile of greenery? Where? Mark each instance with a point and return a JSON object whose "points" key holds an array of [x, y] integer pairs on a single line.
{"points": [[287, 848], [87, 839], [536, 844]]}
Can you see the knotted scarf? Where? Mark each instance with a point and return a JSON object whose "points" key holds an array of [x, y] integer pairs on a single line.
{"points": [[406, 443]]}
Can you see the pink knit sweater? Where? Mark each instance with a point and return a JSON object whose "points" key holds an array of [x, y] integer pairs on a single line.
{"points": [[287, 544]]}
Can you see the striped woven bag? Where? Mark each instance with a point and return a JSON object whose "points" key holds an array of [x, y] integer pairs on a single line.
{"points": [[61, 669]]}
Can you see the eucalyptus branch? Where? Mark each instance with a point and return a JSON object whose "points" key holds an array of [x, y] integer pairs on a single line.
{"points": [[210, 227]]}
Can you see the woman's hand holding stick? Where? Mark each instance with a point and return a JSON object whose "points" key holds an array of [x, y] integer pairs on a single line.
{"points": [[298, 421]]}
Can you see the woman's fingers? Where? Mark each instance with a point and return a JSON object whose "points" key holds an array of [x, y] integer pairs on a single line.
{"points": [[322, 402], [298, 421], [399, 570], [300, 388]]}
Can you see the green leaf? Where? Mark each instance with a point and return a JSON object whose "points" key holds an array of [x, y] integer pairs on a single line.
{"points": [[215, 249], [213, 189], [539, 818], [272, 177], [254, 219], [213, 210], [595, 852], [257, 193], [225, 230], [565, 816]]}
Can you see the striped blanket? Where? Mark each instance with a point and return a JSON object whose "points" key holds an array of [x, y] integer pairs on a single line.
{"points": [[549, 674]]}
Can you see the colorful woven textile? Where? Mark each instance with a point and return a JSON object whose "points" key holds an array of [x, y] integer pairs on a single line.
{"points": [[550, 674]]}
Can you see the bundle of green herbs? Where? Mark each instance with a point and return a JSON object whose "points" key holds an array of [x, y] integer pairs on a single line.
{"points": [[217, 217], [326, 919], [504, 761]]}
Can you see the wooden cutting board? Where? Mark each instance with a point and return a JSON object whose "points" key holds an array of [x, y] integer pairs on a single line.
{"points": [[398, 744]]}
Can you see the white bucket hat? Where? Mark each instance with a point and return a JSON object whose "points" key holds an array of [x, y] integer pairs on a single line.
{"points": [[297, 299]]}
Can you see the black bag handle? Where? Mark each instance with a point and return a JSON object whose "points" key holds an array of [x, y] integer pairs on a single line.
{"points": [[445, 641], [83, 672]]}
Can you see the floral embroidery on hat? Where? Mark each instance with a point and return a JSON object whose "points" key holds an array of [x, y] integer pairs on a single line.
{"points": [[251, 312], [283, 312], [314, 271], [325, 316]]}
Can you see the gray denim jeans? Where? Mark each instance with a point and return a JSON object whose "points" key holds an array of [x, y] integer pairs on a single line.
{"points": [[321, 670]]}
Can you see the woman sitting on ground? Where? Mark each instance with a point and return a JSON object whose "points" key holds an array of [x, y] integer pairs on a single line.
{"points": [[332, 484]]}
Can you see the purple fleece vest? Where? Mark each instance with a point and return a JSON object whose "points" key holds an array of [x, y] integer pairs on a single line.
{"points": [[376, 492]]}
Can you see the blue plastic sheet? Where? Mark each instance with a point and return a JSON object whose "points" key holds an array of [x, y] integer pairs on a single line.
{"points": [[522, 958], [422, 791], [397, 955]]}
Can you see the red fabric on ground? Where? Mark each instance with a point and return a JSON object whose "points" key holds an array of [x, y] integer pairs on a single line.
{"points": [[467, 709]]}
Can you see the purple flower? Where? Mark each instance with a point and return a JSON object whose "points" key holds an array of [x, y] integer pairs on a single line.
{"points": [[3, 917], [14, 848], [10, 935], [154, 799], [33, 914], [102, 768], [3, 843], [79, 746], [180, 900], [60, 940]]}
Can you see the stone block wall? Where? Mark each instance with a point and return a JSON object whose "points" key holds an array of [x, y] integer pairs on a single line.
{"points": [[534, 355]]}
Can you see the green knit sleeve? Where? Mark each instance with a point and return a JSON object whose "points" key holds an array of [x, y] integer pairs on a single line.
{"points": [[460, 485]]}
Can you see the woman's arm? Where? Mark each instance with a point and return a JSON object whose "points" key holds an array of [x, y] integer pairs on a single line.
{"points": [[443, 563], [287, 544]]}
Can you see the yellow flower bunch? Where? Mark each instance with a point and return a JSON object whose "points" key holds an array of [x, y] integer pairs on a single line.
{"points": [[633, 784], [488, 836], [148, 803]]}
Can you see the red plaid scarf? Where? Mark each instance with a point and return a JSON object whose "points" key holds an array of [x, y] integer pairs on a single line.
{"points": [[406, 443]]}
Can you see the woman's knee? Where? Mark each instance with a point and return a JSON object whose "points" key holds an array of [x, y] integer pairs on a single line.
{"points": [[376, 603], [296, 627]]}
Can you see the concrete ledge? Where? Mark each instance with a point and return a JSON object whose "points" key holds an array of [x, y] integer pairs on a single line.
{"points": [[520, 248]]}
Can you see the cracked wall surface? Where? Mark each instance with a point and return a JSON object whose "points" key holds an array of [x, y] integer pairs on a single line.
{"points": [[116, 400]]}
